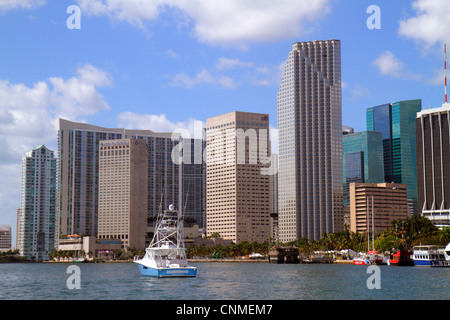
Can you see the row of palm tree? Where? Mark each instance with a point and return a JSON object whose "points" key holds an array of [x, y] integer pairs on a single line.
{"points": [[404, 233], [233, 250]]}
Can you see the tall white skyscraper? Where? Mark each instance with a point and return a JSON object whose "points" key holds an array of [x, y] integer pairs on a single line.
{"points": [[310, 141], [37, 220]]}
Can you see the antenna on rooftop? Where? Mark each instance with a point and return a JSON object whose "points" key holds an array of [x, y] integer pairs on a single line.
{"points": [[445, 70]]}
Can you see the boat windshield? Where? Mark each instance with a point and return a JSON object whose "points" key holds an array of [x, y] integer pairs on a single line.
{"points": [[166, 253]]}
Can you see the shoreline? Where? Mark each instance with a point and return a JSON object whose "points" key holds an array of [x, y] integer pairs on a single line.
{"points": [[229, 260]]}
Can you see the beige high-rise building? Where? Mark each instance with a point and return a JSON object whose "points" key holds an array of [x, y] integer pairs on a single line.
{"points": [[389, 203], [123, 191], [237, 176]]}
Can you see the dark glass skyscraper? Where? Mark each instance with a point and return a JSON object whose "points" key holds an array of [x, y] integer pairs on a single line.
{"points": [[396, 122], [363, 159]]}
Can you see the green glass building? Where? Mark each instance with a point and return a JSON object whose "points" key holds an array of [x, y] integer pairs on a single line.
{"points": [[396, 122], [362, 159]]}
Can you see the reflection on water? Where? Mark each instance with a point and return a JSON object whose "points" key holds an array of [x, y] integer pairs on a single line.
{"points": [[236, 281]]}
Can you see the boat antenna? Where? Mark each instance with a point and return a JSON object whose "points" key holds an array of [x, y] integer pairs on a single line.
{"points": [[367, 224], [373, 228]]}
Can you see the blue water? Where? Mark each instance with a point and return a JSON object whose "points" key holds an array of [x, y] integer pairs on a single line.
{"points": [[237, 281]]}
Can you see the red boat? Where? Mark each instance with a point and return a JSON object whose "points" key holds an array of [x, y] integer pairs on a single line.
{"points": [[361, 261], [401, 258]]}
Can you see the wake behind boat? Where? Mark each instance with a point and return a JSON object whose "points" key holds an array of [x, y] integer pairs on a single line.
{"points": [[166, 254]]}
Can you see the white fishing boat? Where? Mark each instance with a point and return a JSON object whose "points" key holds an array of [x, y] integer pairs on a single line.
{"points": [[166, 254]]}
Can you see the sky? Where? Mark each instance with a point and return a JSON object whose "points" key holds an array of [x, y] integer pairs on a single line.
{"points": [[164, 64]]}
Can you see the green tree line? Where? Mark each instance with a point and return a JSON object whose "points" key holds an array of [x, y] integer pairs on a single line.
{"points": [[404, 233]]}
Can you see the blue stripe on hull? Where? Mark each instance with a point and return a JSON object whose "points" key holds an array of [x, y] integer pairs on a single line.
{"points": [[430, 263], [168, 272], [422, 263]]}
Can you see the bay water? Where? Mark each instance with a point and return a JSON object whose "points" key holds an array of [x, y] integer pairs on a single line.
{"points": [[222, 281]]}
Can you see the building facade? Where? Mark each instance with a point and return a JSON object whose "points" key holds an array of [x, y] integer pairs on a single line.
{"points": [[273, 194], [373, 206], [396, 122], [194, 182], [362, 159], [78, 145], [37, 222], [310, 142], [237, 185], [433, 164], [122, 192], [5, 237]]}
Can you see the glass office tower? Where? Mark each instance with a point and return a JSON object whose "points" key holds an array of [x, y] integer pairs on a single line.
{"points": [[362, 159], [396, 122], [310, 142]]}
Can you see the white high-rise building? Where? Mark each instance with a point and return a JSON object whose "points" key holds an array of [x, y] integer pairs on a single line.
{"points": [[310, 142], [37, 220]]}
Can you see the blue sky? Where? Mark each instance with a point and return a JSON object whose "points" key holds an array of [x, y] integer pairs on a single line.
{"points": [[162, 64]]}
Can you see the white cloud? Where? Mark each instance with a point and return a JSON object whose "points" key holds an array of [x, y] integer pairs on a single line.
{"points": [[28, 114], [159, 123], [202, 77], [359, 91], [388, 64], [134, 12], [226, 63], [7, 5], [431, 23], [171, 53], [267, 75], [28, 118], [230, 22]]}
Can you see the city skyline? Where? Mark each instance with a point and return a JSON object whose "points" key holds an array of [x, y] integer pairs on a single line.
{"points": [[162, 67]]}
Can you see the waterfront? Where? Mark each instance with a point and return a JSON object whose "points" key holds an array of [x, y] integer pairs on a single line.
{"points": [[219, 281]]}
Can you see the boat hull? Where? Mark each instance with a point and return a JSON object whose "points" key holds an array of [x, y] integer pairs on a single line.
{"points": [[167, 272], [398, 263], [431, 263], [361, 262]]}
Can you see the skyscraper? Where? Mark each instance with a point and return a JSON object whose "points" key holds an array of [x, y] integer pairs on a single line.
{"points": [[37, 220], [310, 141], [433, 164], [237, 191], [194, 181], [123, 187], [78, 145], [362, 158], [396, 122]]}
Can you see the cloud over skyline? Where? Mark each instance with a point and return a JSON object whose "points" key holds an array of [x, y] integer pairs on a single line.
{"points": [[220, 23]]}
